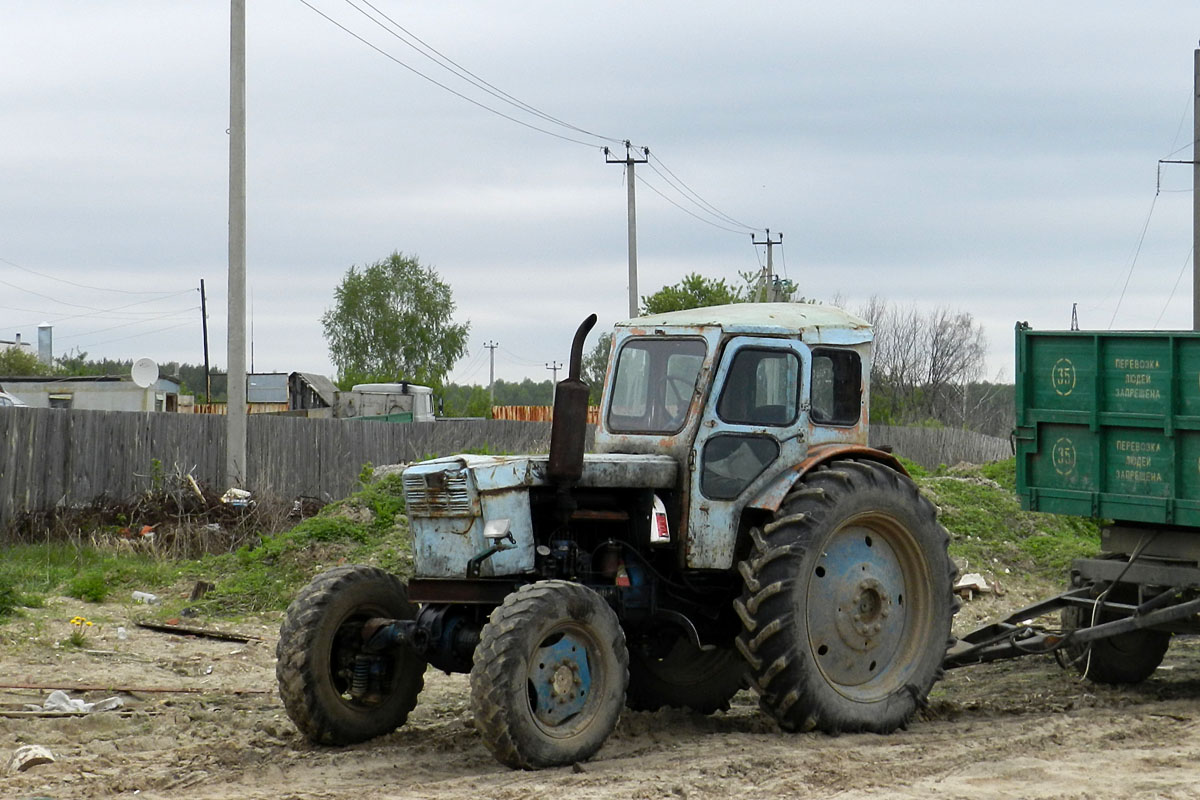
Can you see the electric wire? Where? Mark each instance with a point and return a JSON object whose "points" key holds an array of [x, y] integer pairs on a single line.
{"points": [[73, 283], [119, 325], [136, 335], [654, 189], [1178, 278], [520, 359], [421, 47], [686, 190], [1133, 261], [441, 85], [93, 308], [449, 64]]}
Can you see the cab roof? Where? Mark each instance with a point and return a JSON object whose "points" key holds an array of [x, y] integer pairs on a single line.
{"points": [[815, 323]]}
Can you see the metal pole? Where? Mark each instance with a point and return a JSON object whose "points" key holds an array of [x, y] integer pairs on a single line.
{"points": [[235, 418], [204, 330], [1196, 191]]}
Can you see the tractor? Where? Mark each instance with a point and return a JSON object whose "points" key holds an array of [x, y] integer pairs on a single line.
{"points": [[729, 527]]}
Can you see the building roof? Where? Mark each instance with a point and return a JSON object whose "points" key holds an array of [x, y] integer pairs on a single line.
{"points": [[814, 323], [320, 384]]}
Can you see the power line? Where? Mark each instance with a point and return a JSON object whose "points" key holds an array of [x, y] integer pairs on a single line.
{"points": [[687, 191], [1178, 278], [73, 283], [165, 315], [449, 64], [136, 335], [441, 85], [93, 308], [423, 48], [519, 359], [1133, 261], [652, 188]]}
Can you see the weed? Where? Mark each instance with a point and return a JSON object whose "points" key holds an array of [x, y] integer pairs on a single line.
{"points": [[9, 598], [91, 587], [78, 637]]}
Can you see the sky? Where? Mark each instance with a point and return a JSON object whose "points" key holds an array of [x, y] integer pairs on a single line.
{"points": [[995, 158]]}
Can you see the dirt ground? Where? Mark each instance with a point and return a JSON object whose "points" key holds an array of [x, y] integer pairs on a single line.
{"points": [[201, 720]]}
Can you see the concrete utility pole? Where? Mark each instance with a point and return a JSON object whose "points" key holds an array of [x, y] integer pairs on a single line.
{"points": [[554, 367], [491, 371], [629, 162], [235, 417], [769, 284]]}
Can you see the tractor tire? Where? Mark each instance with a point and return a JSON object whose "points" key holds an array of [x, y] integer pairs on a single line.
{"points": [[549, 677], [684, 677], [318, 641], [1123, 659], [848, 602]]}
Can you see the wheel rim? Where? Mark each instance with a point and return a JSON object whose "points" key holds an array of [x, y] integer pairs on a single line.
{"points": [[560, 685], [868, 607]]}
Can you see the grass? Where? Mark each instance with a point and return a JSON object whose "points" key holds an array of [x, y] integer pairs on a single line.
{"points": [[988, 529], [989, 532], [368, 527]]}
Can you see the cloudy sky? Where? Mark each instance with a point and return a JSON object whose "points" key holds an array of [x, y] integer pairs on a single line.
{"points": [[998, 158]]}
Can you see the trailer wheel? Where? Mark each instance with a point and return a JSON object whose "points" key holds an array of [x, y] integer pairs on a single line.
{"points": [[549, 677], [684, 676], [1126, 658], [319, 641], [848, 601]]}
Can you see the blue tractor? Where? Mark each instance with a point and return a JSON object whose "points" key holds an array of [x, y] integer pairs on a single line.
{"points": [[731, 528]]}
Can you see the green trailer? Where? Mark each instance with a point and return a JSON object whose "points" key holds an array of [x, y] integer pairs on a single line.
{"points": [[1108, 426]]}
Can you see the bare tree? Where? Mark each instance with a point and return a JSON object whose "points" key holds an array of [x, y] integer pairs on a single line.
{"points": [[923, 362]]}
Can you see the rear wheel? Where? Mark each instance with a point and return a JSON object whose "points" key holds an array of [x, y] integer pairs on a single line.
{"points": [[848, 601], [321, 647], [1126, 658], [549, 676], [681, 675]]}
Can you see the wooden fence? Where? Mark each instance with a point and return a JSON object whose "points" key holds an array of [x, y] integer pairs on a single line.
{"points": [[52, 458], [930, 447], [538, 413]]}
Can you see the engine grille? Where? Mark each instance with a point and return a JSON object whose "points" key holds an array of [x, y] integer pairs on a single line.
{"points": [[441, 494]]}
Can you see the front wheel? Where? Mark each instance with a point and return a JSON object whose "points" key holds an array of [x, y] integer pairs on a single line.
{"points": [[320, 653], [549, 677], [848, 601]]}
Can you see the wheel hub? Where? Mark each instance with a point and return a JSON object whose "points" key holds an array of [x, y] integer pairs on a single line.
{"points": [[856, 608], [560, 680], [863, 613]]}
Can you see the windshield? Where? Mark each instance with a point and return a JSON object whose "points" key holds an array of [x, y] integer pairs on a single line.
{"points": [[654, 384]]}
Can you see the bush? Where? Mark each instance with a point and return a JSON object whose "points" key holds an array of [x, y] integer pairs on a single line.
{"points": [[91, 587], [9, 599]]}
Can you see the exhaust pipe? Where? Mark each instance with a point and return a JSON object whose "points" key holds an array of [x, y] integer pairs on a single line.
{"points": [[568, 432]]}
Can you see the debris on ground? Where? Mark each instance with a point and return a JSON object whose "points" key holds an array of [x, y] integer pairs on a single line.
{"points": [[61, 701], [973, 583], [31, 755]]}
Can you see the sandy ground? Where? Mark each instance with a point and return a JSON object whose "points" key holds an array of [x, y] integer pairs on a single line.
{"points": [[214, 728]]}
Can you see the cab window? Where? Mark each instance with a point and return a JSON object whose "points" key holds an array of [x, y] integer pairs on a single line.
{"points": [[654, 384], [762, 387], [836, 387]]}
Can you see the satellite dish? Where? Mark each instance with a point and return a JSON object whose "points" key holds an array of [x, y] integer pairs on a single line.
{"points": [[144, 372]]}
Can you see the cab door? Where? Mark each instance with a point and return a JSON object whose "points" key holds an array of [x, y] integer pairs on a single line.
{"points": [[753, 425]]}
